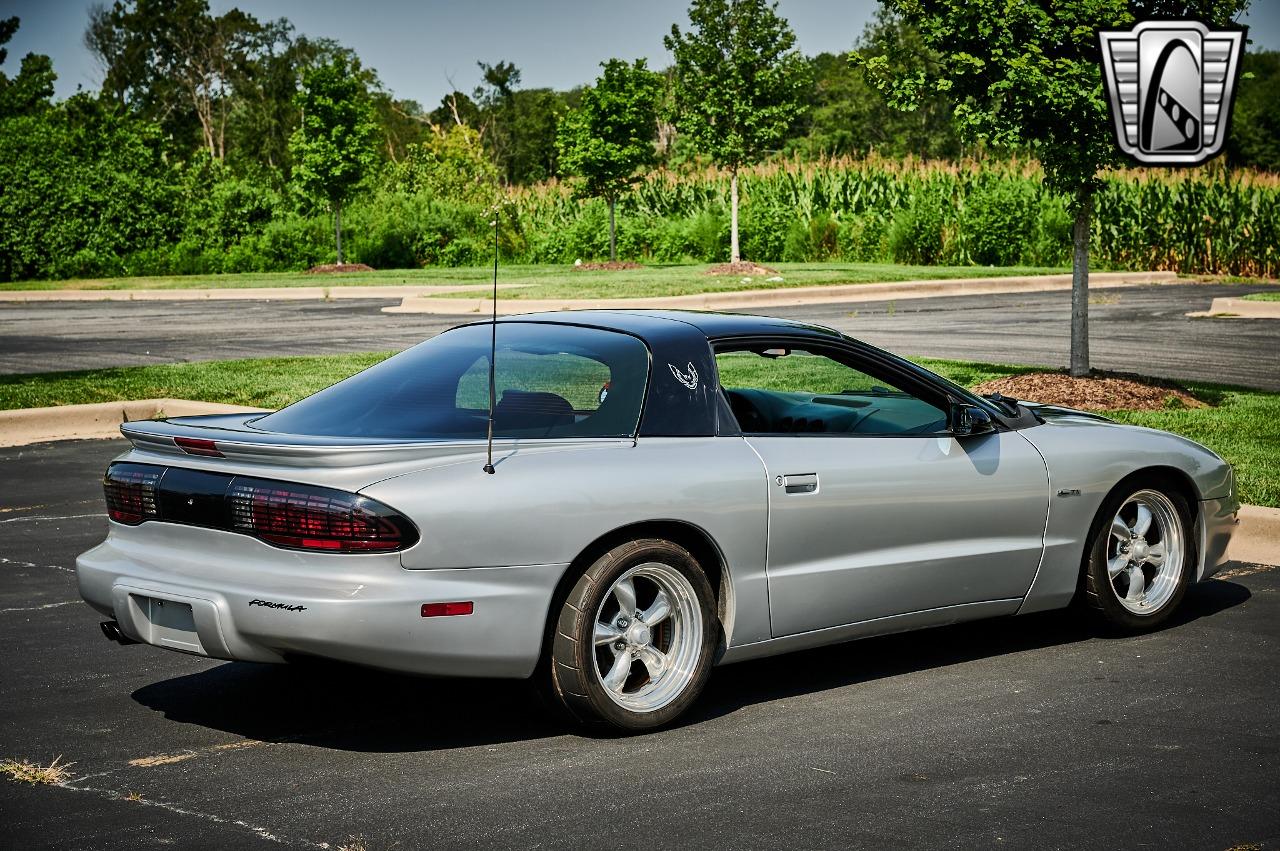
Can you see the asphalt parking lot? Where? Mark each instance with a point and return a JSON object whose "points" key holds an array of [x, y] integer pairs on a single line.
{"points": [[1017, 732], [1133, 329]]}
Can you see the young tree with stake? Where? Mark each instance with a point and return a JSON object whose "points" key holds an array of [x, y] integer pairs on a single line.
{"points": [[333, 147], [609, 138], [1027, 75], [739, 83]]}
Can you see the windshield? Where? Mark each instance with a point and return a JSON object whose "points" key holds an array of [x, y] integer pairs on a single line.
{"points": [[550, 380]]}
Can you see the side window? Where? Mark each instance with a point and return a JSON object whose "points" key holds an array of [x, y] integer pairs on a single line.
{"points": [[791, 391], [539, 394], [580, 381]]}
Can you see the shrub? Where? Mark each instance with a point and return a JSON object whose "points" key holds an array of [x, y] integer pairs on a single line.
{"points": [[916, 233], [998, 222], [1051, 244]]}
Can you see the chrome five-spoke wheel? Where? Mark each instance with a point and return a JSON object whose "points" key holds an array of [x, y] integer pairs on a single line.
{"points": [[635, 638], [1141, 554], [1145, 552], [648, 632]]}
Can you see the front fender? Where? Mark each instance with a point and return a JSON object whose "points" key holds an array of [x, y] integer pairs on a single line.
{"points": [[1086, 458]]}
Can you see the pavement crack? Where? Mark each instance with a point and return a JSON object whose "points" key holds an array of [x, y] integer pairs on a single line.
{"points": [[40, 517], [16, 563], [40, 608], [131, 798], [14, 508]]}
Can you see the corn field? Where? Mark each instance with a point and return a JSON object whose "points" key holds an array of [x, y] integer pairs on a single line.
{"points": [[1210, 220]]}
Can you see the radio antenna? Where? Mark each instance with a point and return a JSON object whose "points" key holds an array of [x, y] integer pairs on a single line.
{"points": [[493, 343]]}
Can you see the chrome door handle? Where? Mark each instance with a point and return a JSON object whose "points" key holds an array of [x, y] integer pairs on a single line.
{"points": [[799, 482]]}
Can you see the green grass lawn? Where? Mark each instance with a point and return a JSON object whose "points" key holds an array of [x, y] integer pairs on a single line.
{"points": [[1243, 426], [1268, 296], [257, 382], [548, 281]]}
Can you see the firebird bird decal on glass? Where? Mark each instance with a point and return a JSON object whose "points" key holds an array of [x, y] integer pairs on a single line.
{"points": [[690, 380]]}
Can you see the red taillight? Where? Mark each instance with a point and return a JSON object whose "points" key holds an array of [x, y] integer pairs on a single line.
{"points": [[444, 610], [131, 493], [286, 514], [312, 518], [198, 446]]}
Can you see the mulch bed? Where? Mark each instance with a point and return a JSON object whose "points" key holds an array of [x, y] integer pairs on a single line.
{"points": [[742, 267], [1099, 392], [608, 266], [331, 268]]}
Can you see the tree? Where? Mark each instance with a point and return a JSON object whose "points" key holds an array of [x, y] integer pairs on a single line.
{"points": [[333, 147], [262, 115], [451, 163], [518, 125], [739, 84], [847, 115], [609, 137], [458, 109], [172, 60], [403, 124], [32, 88], [1255, 127], [84, 189], [1027, 75]]}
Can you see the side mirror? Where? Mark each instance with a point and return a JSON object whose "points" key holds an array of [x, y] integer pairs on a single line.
{"points": [[970, 420]]}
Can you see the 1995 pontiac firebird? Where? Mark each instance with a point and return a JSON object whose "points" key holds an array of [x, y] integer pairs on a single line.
{"points": [[672, 491]]}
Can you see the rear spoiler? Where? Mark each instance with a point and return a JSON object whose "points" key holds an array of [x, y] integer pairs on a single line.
{"points": [[232, 437]]}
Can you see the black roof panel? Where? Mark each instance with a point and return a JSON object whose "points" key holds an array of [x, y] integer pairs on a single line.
{"points": [[638, 321]]}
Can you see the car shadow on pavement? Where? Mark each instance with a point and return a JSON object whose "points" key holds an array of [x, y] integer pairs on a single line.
{"points": [[895, 655], [344, 707]]}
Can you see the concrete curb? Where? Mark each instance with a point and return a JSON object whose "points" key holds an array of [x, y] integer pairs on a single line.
{"points": [[99, 420], [1238, 308], [247, 293], [789, 296], [1257, 538]]}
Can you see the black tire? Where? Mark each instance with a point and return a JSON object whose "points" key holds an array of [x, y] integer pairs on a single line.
{"points": [[573, 679], [1100, 595]]}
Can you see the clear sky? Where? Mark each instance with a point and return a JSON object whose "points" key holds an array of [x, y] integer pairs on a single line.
{"points": [[417, 47]]}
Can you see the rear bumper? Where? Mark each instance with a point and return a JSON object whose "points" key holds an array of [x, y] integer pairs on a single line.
{"points": [[253, 602], [1218, 520]]}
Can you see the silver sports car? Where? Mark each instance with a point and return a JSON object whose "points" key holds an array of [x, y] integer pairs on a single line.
{"points": [[667, 491]]}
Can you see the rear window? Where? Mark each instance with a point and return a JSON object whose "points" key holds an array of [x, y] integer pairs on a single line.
{"points": [[551, 381]]}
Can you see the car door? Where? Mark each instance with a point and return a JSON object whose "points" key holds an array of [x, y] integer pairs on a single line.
{"points": [[875, 508]]}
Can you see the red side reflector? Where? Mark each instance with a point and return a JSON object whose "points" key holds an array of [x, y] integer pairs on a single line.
{"points": [[441, 610], [198, 446]]}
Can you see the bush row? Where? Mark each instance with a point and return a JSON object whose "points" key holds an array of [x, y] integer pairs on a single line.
{"points": [[1208, 220]]}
